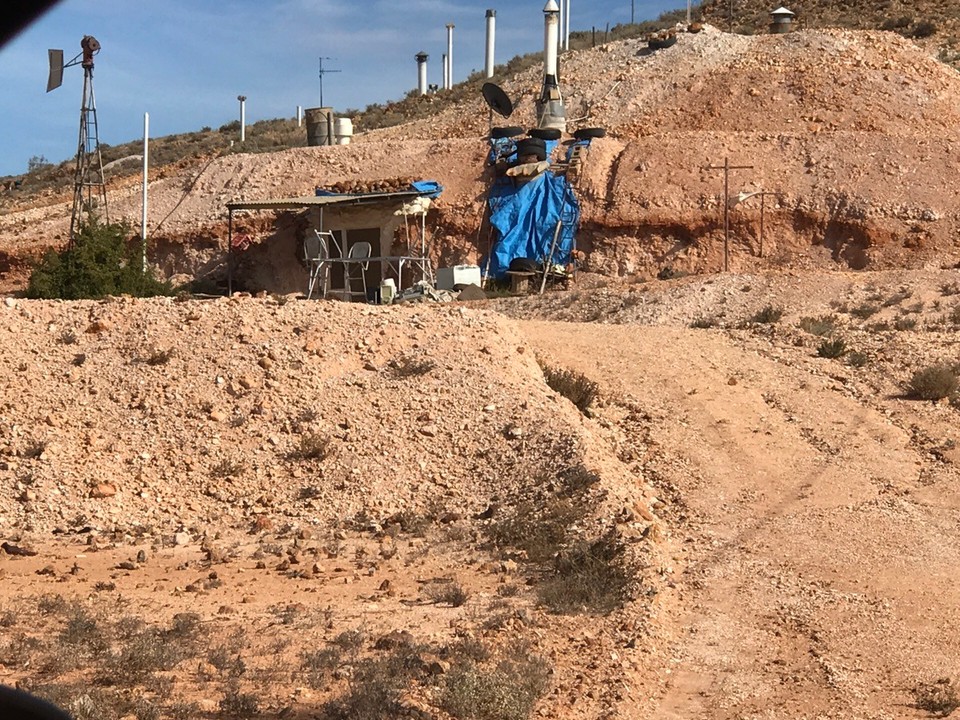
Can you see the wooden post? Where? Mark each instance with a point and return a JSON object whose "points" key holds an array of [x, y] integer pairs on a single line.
{"points": [[727, 167]]}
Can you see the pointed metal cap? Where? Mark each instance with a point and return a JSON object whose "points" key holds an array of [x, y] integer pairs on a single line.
{"points": [[551, 7]]}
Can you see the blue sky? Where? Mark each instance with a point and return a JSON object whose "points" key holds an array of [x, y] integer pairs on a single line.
{"points": [[185, 61]]}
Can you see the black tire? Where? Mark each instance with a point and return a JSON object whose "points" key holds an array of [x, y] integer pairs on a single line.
{"points": [[505, 132], [539, 153], [545, 133], [524, 265], [590, 133], [532, 146]]}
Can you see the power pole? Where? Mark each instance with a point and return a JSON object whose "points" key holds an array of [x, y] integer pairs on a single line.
{"points": [[727, 167], [324, 71], [632, 14]]}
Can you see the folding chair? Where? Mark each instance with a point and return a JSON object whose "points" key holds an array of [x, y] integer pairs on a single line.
{"points": [[316, 251], [358, 251]]}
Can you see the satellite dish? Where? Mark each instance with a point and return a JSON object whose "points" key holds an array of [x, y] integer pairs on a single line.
{"points": [[55, 79], [497, 99]]}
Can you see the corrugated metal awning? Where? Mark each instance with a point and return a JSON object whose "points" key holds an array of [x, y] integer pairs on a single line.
{"points": [[298, 203]]}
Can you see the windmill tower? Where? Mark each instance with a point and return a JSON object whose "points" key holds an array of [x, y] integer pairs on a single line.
{"points": [[89, 188]]}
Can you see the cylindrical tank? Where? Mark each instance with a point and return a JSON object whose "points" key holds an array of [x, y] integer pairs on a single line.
{"points": [[320, 130], [422, 58], [491, 41], [343, 128], [781, 21]]}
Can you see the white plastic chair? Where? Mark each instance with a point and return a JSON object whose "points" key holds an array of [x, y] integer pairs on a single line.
{"points": [[359, 251], [316, 251]]}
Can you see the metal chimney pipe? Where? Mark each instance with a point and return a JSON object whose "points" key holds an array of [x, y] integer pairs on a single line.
{"points": [[446, 73], [450, 27], [491, 40], [422, 58], [551, 42], [299, 115], [243, 117], [566, 25]]}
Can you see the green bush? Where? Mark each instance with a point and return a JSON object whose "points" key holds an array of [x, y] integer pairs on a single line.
{"points": [[822, 326], [99, 263], [768, 315], [832, 348], [934, 383], [574, 386]]}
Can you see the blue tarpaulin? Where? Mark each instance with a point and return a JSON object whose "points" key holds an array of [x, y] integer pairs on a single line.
{"points": [[525, 218]]}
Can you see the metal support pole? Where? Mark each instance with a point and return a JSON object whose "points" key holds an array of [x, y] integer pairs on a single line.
{"points": [[146, 167], [229, 253], [763, 202]]}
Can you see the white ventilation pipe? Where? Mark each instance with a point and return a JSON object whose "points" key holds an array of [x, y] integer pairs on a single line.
{"points": [[450, 27], [146, 171], [243, 117], [491, 40], [422, 58], [299, 115], [551, 42], [566, 25]]}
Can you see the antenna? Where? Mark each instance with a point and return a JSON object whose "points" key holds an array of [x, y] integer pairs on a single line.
{"points": [[324, 71], [89, 188]]}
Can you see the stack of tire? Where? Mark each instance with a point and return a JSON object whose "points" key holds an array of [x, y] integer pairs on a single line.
{"points": [[533, 148]]}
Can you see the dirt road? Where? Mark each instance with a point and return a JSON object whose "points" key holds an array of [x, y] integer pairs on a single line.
{"points": [[816, 543]]}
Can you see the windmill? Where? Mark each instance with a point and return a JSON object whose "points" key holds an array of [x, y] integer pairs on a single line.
{"points": [[89, 189]]}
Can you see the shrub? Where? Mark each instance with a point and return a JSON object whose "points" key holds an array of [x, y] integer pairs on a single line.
{"points": [[923, 29], [239, 705], [574, 386], [538, 533], [823, 326], [768, 315], [473, 693], [227, 468], [938, 698], [160, 356], [313, 446], [319, 665], [934, 383], [99, 263], [448, 593], [865, 310], [832, 348], [857, 359], [905, 323], [703, 323], [411, 366], [587, 577]]}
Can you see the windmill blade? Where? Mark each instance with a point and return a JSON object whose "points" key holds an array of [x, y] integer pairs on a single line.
{"points": [[55, 78]]}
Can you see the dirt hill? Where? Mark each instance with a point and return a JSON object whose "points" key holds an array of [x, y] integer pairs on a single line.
{"points": [[250, 508], [852, 131]]}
